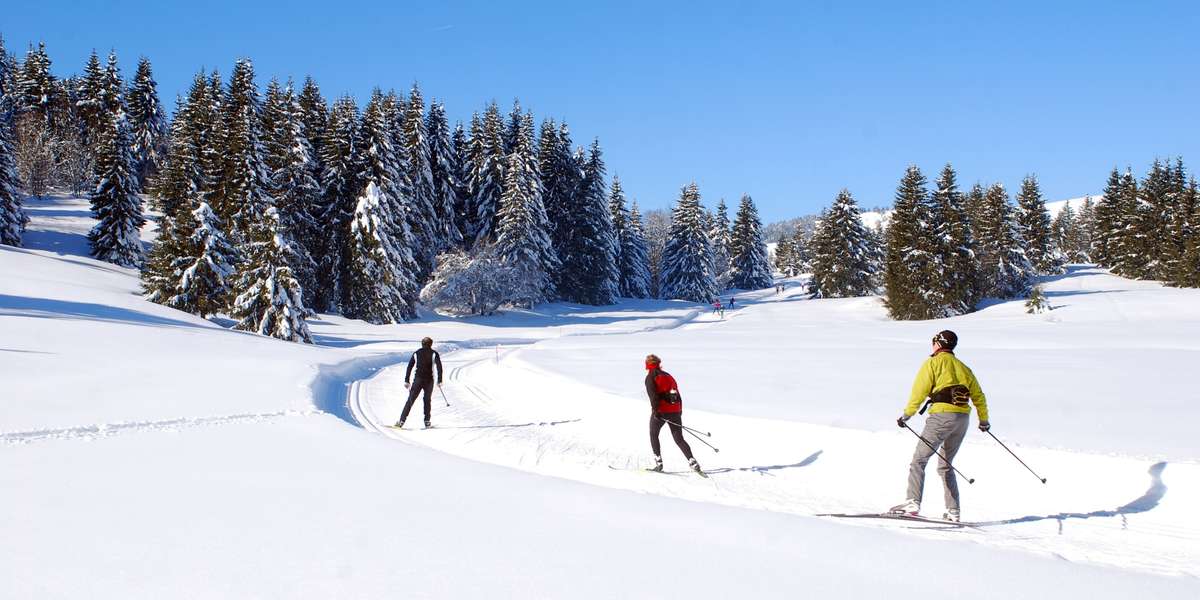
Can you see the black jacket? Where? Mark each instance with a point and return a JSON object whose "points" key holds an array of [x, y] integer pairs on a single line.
{"points": [[424, 359]]}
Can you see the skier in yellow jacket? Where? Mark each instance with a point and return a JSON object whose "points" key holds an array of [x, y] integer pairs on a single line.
{"points": [[951, 388]]}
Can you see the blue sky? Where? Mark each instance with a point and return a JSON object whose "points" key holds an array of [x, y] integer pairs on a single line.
{"points": [[786, 101]]}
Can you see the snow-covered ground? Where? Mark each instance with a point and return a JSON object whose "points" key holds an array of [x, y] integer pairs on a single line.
{"points": [[149, 453]]}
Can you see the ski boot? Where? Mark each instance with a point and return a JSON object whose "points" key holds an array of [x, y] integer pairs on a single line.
{"points": [[399, 424], [951, 515], [910, 508], [657, 468], [695, 465], [428, 424]]}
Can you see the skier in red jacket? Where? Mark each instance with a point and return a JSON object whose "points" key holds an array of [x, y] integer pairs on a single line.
{"points": [[666, 408]]}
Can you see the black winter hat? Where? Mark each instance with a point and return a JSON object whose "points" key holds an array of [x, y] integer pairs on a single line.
{"points": [[946, 339]]}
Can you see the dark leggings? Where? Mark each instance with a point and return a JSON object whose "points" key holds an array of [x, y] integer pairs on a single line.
{"points": [[418, 386], [676, 422]]}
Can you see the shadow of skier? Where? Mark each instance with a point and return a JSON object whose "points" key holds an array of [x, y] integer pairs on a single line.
{"points": [[1146, 502], [766, 470]]}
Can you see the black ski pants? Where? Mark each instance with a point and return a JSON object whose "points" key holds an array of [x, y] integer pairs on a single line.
{"points": [[675, 420], [418, 386]]}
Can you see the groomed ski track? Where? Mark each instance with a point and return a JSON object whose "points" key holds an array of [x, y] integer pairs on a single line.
{"points": [[1102, 509]]}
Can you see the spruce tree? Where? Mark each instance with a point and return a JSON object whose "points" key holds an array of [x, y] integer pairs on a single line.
{"points": [[844, 261], [589, 257], [721, 233], [1067, 234], [1179, 210], [38, 91], [960, 280], [339, 191], [1107, 222], [89, 102], [429, 230], [287, 155], [314, 118], [116, 237], [1005, 270], [459, 148], [443, 163], [381, 272], [1189, 271], [192, 269], [148, 122], [246, 177], [1034, 224], [268, 300], [1128, 244], [912, 279], [1087, 229], [686, 264], [487, 175], [522, 235], [12, 214], [635, 261], [749, 266], [513, 129]]}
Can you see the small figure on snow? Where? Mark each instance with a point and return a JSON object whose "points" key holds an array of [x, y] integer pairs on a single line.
{"points": [[949, 385], [666, 408], [718, 309], [424, 360], [731, 300]]}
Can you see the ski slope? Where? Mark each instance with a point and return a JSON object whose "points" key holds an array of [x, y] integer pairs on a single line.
{"points": [[152, 454]]}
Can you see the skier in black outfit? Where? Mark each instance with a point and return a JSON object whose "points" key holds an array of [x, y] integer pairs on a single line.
{"points": [[424, 360], [666, 408]]}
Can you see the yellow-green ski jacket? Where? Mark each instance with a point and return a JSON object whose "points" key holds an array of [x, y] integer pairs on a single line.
{"points": [[939, 372]]}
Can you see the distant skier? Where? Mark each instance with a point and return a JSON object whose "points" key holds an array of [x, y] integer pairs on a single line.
{"points": [[666, 407], [424, 361], [949, 385], [718, 309]]}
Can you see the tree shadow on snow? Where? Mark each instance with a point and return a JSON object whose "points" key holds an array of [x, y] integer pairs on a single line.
{"points": [[767, 469], [45, 308], [1144, 503]]}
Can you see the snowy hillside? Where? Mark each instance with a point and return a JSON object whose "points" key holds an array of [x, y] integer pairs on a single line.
{"points": [[155, 454]]}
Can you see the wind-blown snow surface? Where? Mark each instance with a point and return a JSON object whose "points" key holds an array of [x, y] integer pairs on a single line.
{"points": [[146, 453]]}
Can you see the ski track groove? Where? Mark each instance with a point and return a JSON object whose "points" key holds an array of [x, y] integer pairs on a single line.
{"points": [[106, 430]]}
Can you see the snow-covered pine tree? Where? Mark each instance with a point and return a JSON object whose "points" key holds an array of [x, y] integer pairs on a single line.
{"points": [[339, 185], [193, 267], [522, 234], [459, 148], [487, 175], [1179, 210], [636, 279], [37, 89], [844, 260], [1190, 268], [89, 102], [429, 230], [784, 257], [686, 258], [1034, 224], [589, 258], [288, 158], [314, 118], [267, 298], [1107, 222], [1087, 229], [380, 282], [443, 163], [246, 178], [116, 237], [1004, 268], [513, 129], [1067, 235], [1128, 244], [560, 180], [13, 217], [749, 266], [148, 122], [721, 235], [913, 273], [961, 283], [8, 79]]}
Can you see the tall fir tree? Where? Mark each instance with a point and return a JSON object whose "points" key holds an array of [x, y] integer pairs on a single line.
{"points": [[1005, 270], [636, 278], [749, 265], [1189, 270], [523, 236], [89, 102], [589, 258], [296, 193], [116, 237], [339, 192], [459, 149], [686, 264], [192, 269], [429, 231], [1068, 235], [147, 121], [37, 89], [913, 273], [443, 164], [1178, 225], [513, 129], [1087, 229], [844, 259], [314, 118], [13, 217], [721, 233], [960, 282], [1034, 224], [487, 175], [246, 177], [562, 178], [1107, 222], [381, 272], [1128, 244]]}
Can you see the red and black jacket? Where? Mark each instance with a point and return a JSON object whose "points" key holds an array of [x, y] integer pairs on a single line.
{"points": [[663, 392]]}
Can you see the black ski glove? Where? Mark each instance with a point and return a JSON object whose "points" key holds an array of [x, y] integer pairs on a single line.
{"points": [[984, 426], [902, 422]]}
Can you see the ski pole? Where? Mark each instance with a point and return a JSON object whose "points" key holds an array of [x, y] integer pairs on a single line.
{"points": [[443, 394], [939, 454], [689, 430], [1014, 454], [693, 430]]}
